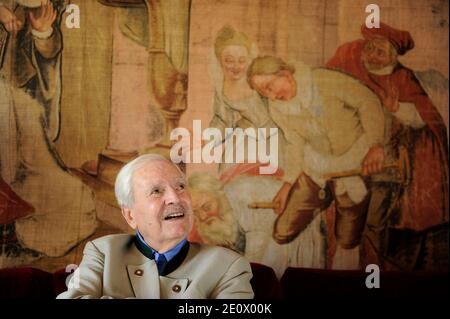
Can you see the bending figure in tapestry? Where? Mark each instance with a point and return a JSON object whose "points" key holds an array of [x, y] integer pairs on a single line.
{"points": [[339, 126]]}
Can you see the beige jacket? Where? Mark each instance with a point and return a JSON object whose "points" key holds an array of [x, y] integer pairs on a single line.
{"points": [[112, 267]]}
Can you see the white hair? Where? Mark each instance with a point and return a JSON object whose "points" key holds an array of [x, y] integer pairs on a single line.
{"points": [[124, 180]]}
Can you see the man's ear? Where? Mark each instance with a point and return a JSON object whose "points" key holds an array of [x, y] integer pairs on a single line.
{"points": [[129, 217]]}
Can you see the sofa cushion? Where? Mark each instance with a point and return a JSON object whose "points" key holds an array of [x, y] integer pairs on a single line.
{"points": [[25, 283], [264, 282], [318, 283], [59, 281]]}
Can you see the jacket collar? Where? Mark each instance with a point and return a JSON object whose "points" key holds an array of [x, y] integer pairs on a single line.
{"points": [[173, 264], [144, 277]]}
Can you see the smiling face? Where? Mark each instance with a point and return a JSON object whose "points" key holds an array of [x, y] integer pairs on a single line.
{"points": [[280, 86], [234, 60], [162, 205], [377, 54]]}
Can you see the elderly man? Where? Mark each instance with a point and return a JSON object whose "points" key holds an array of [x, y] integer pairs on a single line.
{"points": [[417, 213], [333, 123], [158, 262]]}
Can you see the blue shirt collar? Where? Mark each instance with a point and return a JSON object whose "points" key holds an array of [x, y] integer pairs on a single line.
{"points": [[168, 254]]}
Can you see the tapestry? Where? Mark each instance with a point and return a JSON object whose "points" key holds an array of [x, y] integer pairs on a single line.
{"points": [[312, 133]]}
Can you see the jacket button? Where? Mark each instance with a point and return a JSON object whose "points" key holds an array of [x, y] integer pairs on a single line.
{"points": [[176, 288], [139, 272]]}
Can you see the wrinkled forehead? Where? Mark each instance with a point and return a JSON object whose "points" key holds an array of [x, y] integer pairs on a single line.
{"points": [[379, 43], [259, 81], [235, 51], [157, 172], [203, 196], [204, 200]]}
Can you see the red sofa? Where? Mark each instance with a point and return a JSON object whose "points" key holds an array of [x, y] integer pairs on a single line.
{"points": [[32, 283], [299, 283], [296, 283]]}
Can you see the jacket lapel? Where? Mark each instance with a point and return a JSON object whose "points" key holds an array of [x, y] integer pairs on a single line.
{"points": [[144, 279]]}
